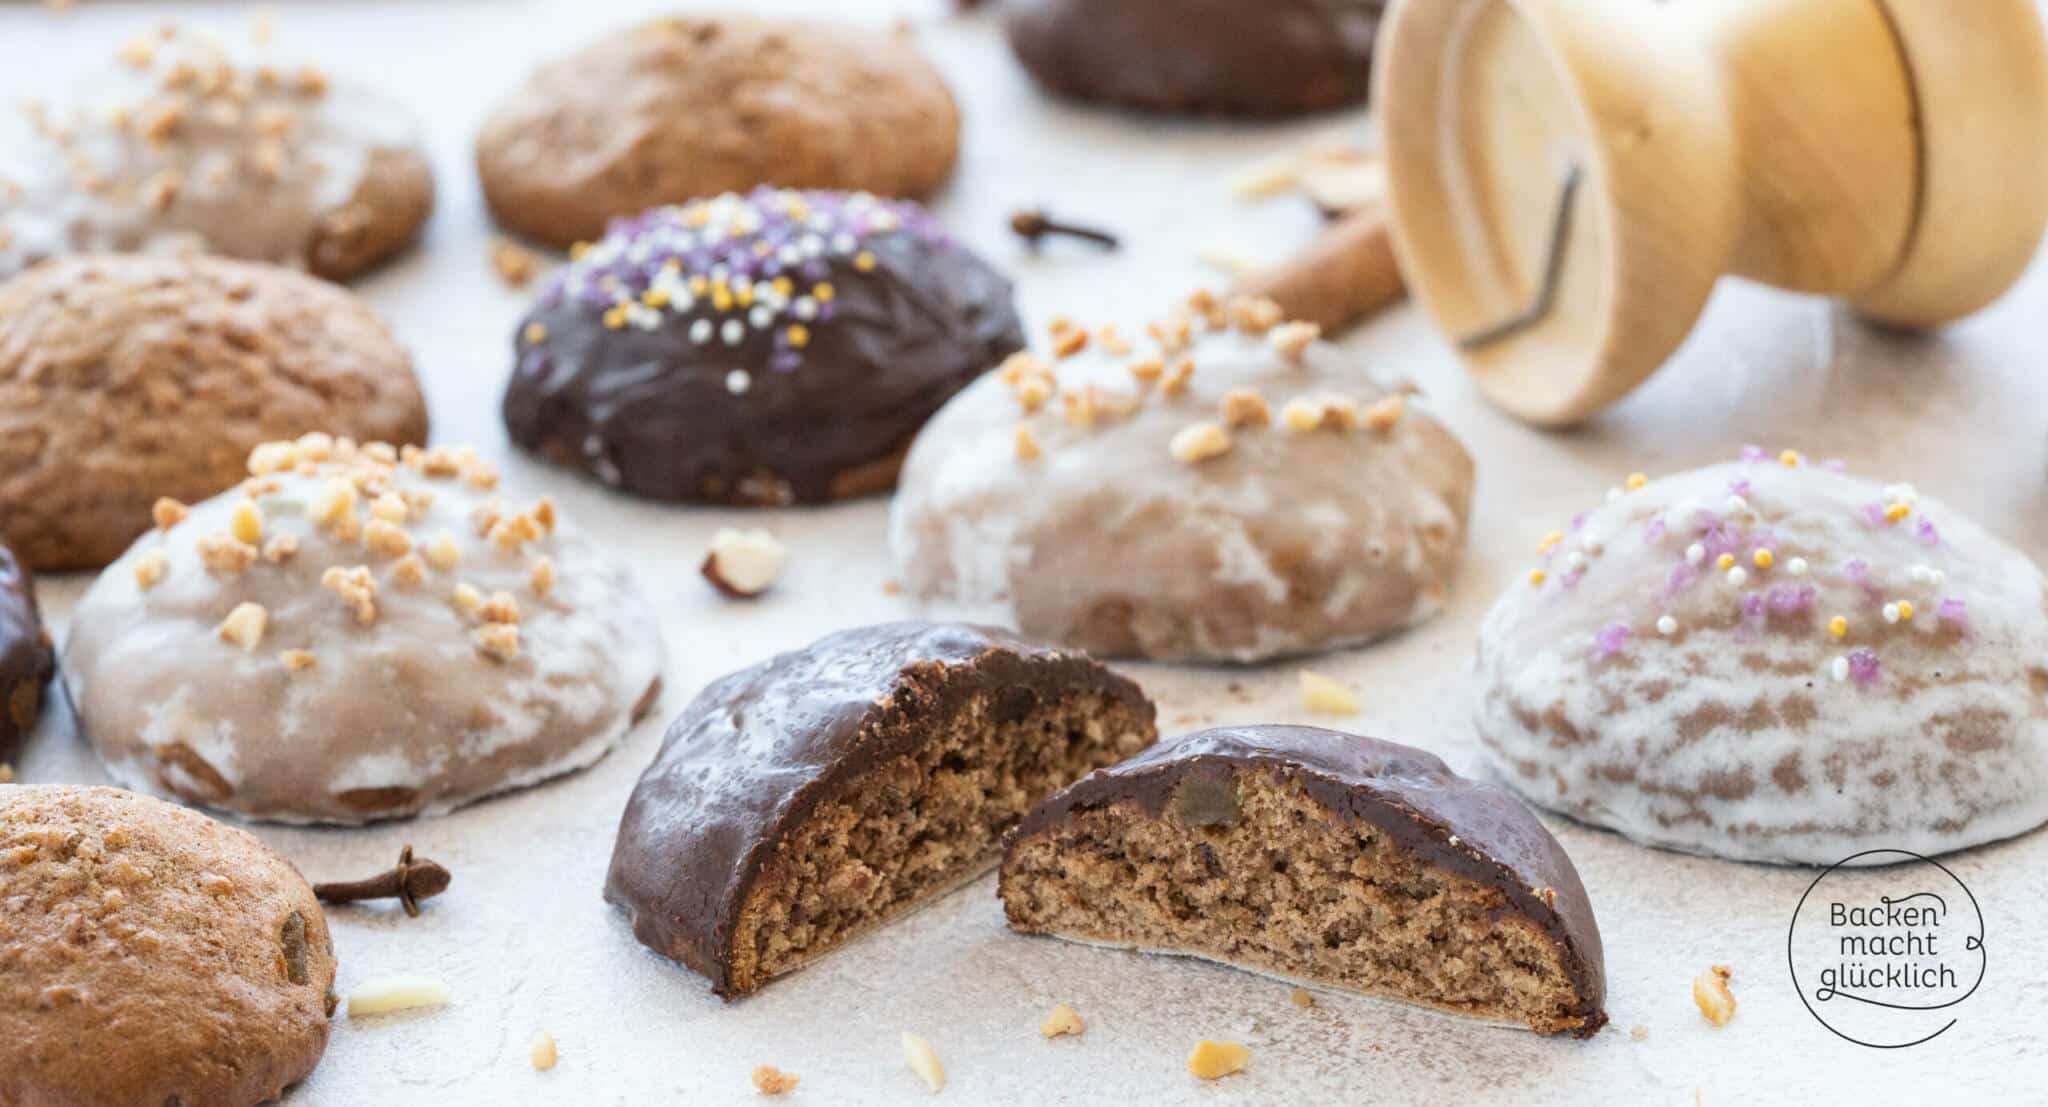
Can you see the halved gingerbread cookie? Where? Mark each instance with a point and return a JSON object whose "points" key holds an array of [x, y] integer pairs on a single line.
{"points": [[152, 956], [778, 347], [1773, 660], [183, 144], [1222, 486], [1323, 857], [355, 633], [824, 792]]}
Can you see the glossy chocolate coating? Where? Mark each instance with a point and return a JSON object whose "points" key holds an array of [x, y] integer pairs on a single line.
{"points": [[760, 749], [1464, 827], [1223, 56], [780, 397], [26, 658]]}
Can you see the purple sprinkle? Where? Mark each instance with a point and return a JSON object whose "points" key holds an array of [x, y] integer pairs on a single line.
{"points": [[1753, 605], [1952, 611], [1789, 599], [1858, 570], [1863, 667], [1835, 465], [1578, 520], [1873, 515], [1610, 639], [1927, 534], [1683, 576], [784, 361], [1754, 453], [1738, 487], [1653, 531]]}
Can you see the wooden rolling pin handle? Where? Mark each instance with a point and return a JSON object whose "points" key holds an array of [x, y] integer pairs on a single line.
{"points": [[1345, 276]]}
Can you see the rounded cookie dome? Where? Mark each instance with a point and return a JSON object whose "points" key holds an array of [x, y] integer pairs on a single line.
{"points": [[358, 633], [1224, 488], [1774, 661], [152, 955], [779, 347]]}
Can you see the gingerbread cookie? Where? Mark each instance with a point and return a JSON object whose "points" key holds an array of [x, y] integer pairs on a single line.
{"points": [[355, 633], [125, 377], [1774, 661], [152, 956], [779, 347], [1324, 857], [830, 790], [25, 655], [183, 144], [682, 109], [1212, 56], [1224, 487]]}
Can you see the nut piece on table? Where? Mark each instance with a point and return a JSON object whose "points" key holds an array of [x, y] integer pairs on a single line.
{"points": [[769, 1080], [544, 1052], [1325, 696], [743, 563], [924, 1061], [1710, 991], [397, 993], [1060, 1022], [1213, 1060]]}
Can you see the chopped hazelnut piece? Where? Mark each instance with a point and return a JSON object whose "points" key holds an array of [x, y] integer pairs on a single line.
{"points": [[542, 576], [1027, 445], [1293, 339], [1639, 1032], [224, 555], [357, 589], [1173, 335], [150, 569], [244, 625], [743, 563], [514, 531], [544, 1054], [1069, 342], [1710, 992], [297, 661], [499, 607], [442, 553], [1383, 414], [1060, 1022], [466, 598], [169, 513], [397, 993], [1326, 696], [1022, 366], [409, 571], [924, 1061], [1213, 1060], [390, 507], [544, 514], [1112, 341], [1245, 407], [1257, 315], [1199, 442], [387, 539], [335, 501], [1148, 370], [272, 457], [516, 265], [769, 1080], [280, 549], [1178, 376], [1302, 415], [1032, 392], [499, 640], [1303, 998], [483, 475]]}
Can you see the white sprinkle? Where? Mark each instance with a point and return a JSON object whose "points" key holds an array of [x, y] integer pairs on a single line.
{"points": [[1695, 553], [1840, 668], [1891, 613], [1737, 503], [700, 331], [733, 331], [805, 308], [1738, 577], [1796, 566], [843, 244], [1613, 494], [1576, 560], [1899, 493], [790, 256], [761, 317], [738, 381], [1666, 625], [1925, 575]]}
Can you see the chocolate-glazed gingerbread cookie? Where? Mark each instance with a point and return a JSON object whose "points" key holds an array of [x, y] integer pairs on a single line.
{"points": [[780, 347], [26, 658], [1320, 856], [826, 791]]}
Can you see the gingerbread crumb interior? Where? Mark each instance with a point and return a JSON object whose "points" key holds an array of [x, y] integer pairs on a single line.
{"points": [[1285, 886], [917, 825]]}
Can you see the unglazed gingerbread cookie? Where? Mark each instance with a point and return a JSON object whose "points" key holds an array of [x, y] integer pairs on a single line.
{"points": [[1319, 856], [1215, 56], [779, 347], [1774, 661], [123, 378], [181, 143], [152, 956], [827, 791], [26, 658], [1223, 487], [682, 109], [357, 633]]}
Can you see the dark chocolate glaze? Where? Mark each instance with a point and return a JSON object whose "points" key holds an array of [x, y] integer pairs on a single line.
{"points": [[650, 412], [1228, 57], [758, 750], [26, 657], [1465, 827]]}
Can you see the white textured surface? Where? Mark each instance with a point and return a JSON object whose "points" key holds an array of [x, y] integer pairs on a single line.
{"points": [[526, 944]]}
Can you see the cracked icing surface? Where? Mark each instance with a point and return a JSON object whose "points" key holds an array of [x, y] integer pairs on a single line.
{"points": [[1084, 517], [1875, 676], [423, 642]]}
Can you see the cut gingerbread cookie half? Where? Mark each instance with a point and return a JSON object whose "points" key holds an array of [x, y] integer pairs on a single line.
{"points": [[1324, 858], [822, 793]]}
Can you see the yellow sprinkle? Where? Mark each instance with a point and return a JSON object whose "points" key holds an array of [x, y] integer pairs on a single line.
{"points": [[1789, 457], [699, 284], [784, 287], [745, 295], [673, 265], [1549, 540], [1536, 577], [615, 317], [799, 335], [761, 248], [1636, 480], [577, 250], [697, 216], [864, 261], [1905, 611], [536, 333], [824, 292], [1838, 627], [721, 297], [655, 298], [1897, 512], [1725, 561], [1762, 558]]}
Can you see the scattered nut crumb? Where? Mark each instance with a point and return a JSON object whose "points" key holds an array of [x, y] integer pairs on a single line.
{"points": [[466, 598], [390, 507], [1068, 342], [408, 571], [1211, 1060], [499, 607], [442, 553], [1147, 369], [357, 589], [1303, 998], [542, 576], [244, 625], [397, 993], [1325, 696], [1177, 377], [1710, 992], [1293, 339], [297, 661], [1267, 178], [769, 1080], [169, 513], [892, 587], [924, 1061], [387, 539], [1245, 407], [1061, 1022], [516, 265], [280, 549], [1383, 414], [150, 569], [743, 563], [1254, 314], [544, 1052], [224, 555], [1229, 261], [499, 640], [1198, 442], [1026, 444], [1639, 1032]]}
